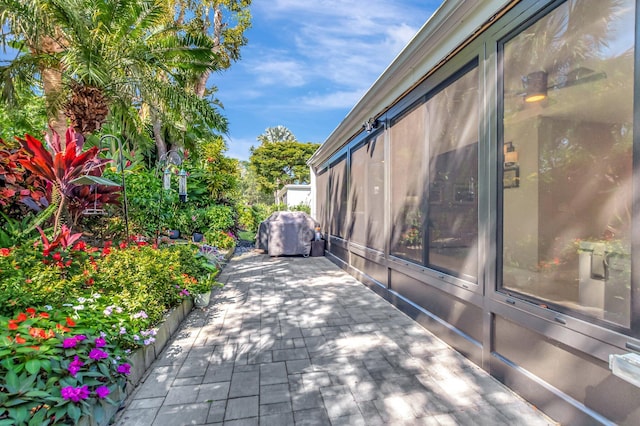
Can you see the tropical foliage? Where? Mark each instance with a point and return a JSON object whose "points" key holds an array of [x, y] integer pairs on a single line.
{"points": [[70, 314], [133, 63], [74, 304], [277, 162]]}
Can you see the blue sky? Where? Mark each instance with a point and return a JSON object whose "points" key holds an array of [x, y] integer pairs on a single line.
{"points": [[308, 62]]}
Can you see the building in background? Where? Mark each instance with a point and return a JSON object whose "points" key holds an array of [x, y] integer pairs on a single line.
{"points": [[487, 185], [294, 195]]}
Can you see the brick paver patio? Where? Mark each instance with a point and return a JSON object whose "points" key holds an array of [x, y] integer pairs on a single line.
{"points": [[297, 341]]}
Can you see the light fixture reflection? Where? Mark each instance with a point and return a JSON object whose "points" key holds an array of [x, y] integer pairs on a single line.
{"points": [[536, 86]]}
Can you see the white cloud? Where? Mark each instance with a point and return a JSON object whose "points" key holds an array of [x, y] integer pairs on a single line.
{"points": [[287, 72], [345, 44], [334, 100]]}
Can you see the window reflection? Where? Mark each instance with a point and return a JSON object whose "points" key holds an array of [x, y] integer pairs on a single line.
{"points": [[338, 198], [453, 201], [408, 178], [434, 172], [322, 180], [367, 194], [566, 222]]}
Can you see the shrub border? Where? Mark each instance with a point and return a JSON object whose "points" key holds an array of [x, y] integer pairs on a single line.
{"points": [[142, 358]]}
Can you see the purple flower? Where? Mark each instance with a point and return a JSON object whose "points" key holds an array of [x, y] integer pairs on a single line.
{"points": [[124, 368], [75, 365], [123, 330], [100, 342], [75, 394], [80, 337], [102, 392], [69, 342], [141, 314], [98, 354]]}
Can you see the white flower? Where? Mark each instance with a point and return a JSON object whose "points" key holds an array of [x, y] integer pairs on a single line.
{"points": [[96, 296], [48, 307], [81, 300], [78, 308]]}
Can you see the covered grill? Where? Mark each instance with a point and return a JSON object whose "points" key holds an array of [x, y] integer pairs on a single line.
{"points": [[286, 234]]}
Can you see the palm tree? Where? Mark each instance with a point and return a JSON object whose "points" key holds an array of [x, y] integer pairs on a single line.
{"points": [[33, 33], [276, 134], [119, 57]]}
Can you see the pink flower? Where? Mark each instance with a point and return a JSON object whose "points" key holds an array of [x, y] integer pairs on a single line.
{"points": [[80, 337], [75, 394], [102, 392], [75, 365], [100, 342], [124, 368], [70, 342], [98, 354]]}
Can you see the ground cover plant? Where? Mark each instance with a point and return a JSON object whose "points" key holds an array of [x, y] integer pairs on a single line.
{"points": [[70, 315]]}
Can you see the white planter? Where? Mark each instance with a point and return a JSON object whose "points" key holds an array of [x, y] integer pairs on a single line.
{"points": [[202, 300]]}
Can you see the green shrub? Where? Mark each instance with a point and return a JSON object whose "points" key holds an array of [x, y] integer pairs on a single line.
{"points": [[251, 216], [146, 279], [220, 239], [220, 217], [302, 207], [28, 281]]}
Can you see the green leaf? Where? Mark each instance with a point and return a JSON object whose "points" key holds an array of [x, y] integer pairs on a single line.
{"points": [[12, 381], [38, 418], [21, 414], [26, 382], [74, 412], [5, 352], [104, 370], [7, 422], [37, 393], [33, 366], [45, 364], [14, 402], [98, 414]]}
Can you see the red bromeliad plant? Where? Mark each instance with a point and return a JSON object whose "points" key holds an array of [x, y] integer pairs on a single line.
{"points": [[60, 167], [85, 197], [19, 188]]}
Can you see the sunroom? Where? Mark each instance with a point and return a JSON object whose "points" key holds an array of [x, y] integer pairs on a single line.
{"points": [[486, 184]]}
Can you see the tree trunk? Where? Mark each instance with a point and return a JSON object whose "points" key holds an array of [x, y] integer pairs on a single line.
{"points": [[201, 83], [161, 145], [52, 86]]}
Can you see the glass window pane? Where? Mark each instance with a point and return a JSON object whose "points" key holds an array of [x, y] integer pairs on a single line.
{"points": [[322, 202], [367, 194], [408, 177], [357, 175], [568, 159], [375, 186], [453, 176], [339, 198]]}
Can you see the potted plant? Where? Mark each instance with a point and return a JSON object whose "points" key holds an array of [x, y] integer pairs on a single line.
{"points": [[201, 290]]}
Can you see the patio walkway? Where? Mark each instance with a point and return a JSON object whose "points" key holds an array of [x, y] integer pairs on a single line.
{"points": [[297, 341]]}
